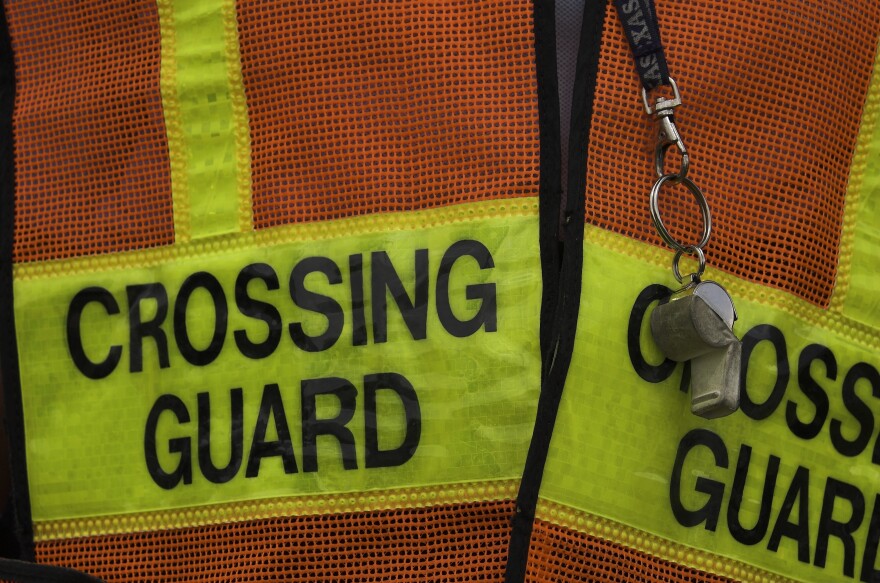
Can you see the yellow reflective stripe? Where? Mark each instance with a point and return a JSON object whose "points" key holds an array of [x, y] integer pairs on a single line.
{"points": [[618, 435], [177, 146], [858, 279], [240, 123], [763, 297], [476, 391], [206, 118], [275, 508], [603, 528]]}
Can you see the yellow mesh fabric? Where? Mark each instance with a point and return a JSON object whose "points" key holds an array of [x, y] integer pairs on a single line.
{"points": [[92, 170], [782, 88]]}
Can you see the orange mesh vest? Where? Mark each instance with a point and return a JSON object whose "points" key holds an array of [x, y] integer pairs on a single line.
{"points": [[286, 288]]}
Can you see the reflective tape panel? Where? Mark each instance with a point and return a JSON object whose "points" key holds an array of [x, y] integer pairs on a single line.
{"points": [[389, 358], [206, 118], [860, 253]]}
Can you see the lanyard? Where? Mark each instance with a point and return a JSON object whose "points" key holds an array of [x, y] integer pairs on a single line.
{"points": [[639, 20]]}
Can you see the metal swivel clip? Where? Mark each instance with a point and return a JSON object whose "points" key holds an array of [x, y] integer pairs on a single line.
{"points": [[668, 136]]}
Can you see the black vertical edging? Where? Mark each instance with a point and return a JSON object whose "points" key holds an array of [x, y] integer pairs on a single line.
{"points": [[20, 572], [559, 319], [550, 189], [8, 349]]}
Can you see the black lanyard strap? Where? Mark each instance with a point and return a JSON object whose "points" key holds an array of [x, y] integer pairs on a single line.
{"points": [[639, 21]]}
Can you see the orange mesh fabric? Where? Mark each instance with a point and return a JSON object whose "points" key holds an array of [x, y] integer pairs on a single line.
{"points": [[773, 98], [367, 107], [559, 554], [92, 170], [460, 542], [450, 543]]}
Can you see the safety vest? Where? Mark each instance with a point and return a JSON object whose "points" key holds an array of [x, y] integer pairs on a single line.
{"points": [[288, 288]]}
